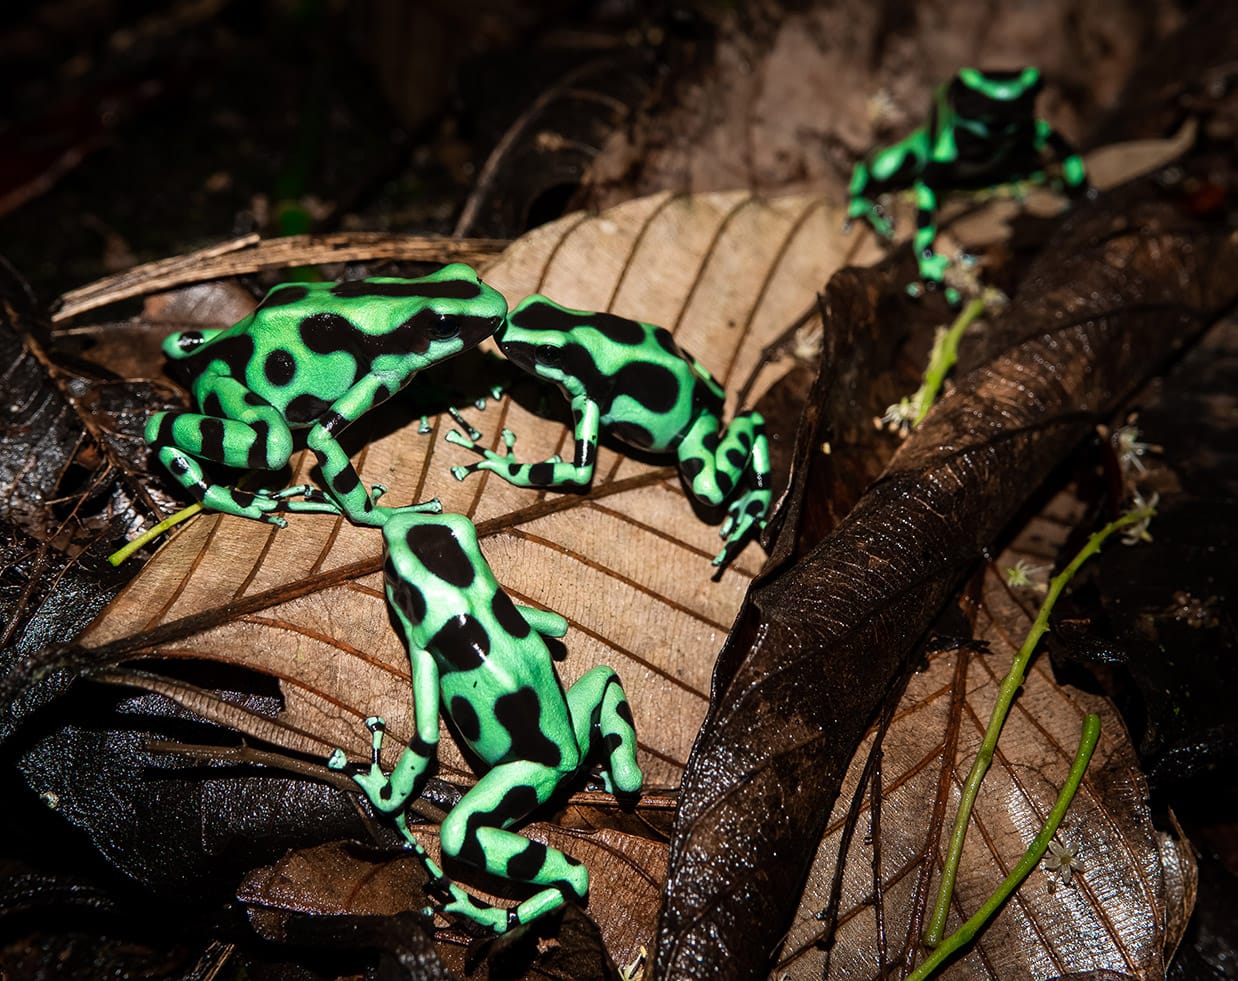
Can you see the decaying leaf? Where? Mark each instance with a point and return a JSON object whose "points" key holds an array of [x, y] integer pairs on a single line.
{"points": [[821, 644]]}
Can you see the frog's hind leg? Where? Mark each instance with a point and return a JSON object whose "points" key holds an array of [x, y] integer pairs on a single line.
{"points": [[237, 429], [475, 833], [601, 717], [715, 465]]}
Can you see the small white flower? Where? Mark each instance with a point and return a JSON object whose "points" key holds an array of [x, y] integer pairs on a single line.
{"points": [[1019, 575], [1063, 863], [636, 970], [1138, 532], [1130, 449]]}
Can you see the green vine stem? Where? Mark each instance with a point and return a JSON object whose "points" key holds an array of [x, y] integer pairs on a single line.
{"points": [[119, 556], [1005, 697], [1035, 852], [945, 353]]}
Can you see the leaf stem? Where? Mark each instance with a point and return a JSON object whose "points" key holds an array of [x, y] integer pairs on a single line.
{"points": [[1035, 852], [945, 353], [119, 556], [1005, 697]]}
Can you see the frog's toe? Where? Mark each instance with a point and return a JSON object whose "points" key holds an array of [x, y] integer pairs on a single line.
{"points": [[338, 760]]}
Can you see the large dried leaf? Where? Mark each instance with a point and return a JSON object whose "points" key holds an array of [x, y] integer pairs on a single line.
{"points": [[627, 564], [815, 653], [1118, 913]]}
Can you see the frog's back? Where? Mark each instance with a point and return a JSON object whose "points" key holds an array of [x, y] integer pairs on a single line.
{"points": [[490, 661]]}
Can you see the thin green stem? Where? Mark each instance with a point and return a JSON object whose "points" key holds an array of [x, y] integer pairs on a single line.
{"points": [[1035, 852], [945, 353], [119, 556], [1005, 697]]}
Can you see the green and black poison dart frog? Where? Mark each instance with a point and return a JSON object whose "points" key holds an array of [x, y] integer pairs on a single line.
{"points": [[482, 659], [982, 131], [313, 356], [632, 379]]}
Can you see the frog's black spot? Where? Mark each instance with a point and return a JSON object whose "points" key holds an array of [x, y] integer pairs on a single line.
{"points": [[333, 422], [345, 482], [612, 741], [280, 367], [508, 616], [667, 343], [252, 399], [691, 467], [465, 717], [924, 219], [282, 296], [437, 549], [405, 596], [179, 466], [211, 405], [526, 865], [544, 315], [164, 436], [257, 456], [514, 469], [620, 330], [744, 440], [542, 474], [242, 498], [420, 747], [652, 385], [306, 408], [237, 352], [519, 712], [326, 333], [632, 434], [212, 433], [471, 851], [463, 642], [411, 337], [737, 459], [188, 341], [624, 711], [709, 443], [724, 481], [756, 508], [516, 803]]}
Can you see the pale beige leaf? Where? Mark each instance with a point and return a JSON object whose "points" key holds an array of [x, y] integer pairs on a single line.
{"points": [[628, 565], [1118, 911]]}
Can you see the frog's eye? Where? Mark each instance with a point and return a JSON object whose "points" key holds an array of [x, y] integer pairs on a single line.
{"points": [[445, 325], [548, 354]]}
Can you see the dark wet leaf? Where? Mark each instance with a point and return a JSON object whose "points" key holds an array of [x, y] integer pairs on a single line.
{"points": [[1124, 283]]}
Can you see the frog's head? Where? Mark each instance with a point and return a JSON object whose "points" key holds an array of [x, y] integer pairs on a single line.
{"points": [[537, 337], [995, 97]]}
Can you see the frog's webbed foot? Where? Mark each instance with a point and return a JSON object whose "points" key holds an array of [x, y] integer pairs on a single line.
{"points": [[501, 463], [746, 515], [870, 212]]}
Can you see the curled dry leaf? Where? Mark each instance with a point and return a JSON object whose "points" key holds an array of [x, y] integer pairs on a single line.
{"points": [[822, 644]]}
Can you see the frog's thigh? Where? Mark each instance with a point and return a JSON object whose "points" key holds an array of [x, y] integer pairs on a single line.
{"points": [[473, 831], [711, 463], [237, 429]]}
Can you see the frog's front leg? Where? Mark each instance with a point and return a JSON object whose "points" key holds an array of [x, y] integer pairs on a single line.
{"points": [[889, 168], [602, 719], [714, 465], [339, 476], [389, 794], [932, 266], [241, 430], [1073, 171], [475, 833], [553, 472]]}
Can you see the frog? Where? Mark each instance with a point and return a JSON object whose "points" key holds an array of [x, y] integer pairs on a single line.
{"points": [[632, 380], [316, 357], [483, 661], [982, 131]]}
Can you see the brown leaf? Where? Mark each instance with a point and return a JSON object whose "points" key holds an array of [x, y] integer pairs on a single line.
{"points": [[1123, 284]]}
